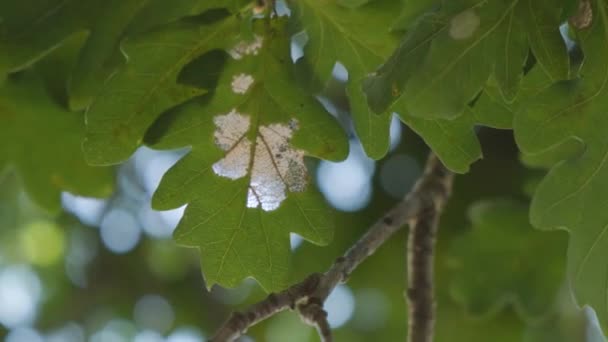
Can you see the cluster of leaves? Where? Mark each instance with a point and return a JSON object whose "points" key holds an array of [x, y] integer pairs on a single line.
{"points": [[218, 77]]}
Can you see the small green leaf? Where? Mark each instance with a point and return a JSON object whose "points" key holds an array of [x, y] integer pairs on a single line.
{"points": [[245, 180], [504, 260], [42, 141], [573, 195]]}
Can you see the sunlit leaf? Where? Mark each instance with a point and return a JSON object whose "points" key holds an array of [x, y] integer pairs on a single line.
{"points": [[245, 180]]}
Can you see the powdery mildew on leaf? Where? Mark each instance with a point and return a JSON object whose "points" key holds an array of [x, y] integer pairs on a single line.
{"points": [[463, 25], [244, 48], [230, 137], [277, 167], [241, 83]]}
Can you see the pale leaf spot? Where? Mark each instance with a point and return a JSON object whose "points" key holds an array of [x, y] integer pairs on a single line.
{"points": [[236, 162], [230, 128], [229, 136], [464, 24], [277, 167], [241, 83], [244, 48]]}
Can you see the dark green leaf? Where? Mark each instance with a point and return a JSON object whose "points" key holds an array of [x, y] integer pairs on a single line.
{"points": [[503, 259], [573, 195], [42, 141]]}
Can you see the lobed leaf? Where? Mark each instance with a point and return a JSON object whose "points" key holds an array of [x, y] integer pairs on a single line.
{"points": [[358, 38], [573, 195], [245, 180], [423, 79], [142, 89], [33, 28]]}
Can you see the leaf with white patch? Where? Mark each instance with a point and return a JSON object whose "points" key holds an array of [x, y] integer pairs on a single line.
{"points": [[245, 181]]}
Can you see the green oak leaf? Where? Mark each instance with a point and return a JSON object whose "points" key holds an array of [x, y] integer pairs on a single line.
{"points": [[500, 259], [454, 141], [142, 89], [573, 194], [473, 38], [42, 141], [33, 28], [245, 180], [358, 38], [30, 29]]}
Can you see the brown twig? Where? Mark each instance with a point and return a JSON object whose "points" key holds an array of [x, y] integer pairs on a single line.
{"points": [[420, 255], [308, 296]]}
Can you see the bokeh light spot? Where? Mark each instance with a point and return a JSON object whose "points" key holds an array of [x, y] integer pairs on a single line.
{"points": [[340, 306], [186, 334], [120, 231], [20, 292], [153, 312], [398, 174], [23, 334], [346, 185], [42, 242], [88, 210]]}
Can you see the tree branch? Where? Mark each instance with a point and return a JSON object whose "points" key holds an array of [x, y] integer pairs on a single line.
{"points": [[420, 253], [308, 296]]}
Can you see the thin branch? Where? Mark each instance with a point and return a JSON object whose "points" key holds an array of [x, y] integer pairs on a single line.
{"points": [[420, 255], [308, 296]]}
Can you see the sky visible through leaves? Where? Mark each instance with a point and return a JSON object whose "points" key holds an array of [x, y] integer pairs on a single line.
{"points": [[268, 141]]}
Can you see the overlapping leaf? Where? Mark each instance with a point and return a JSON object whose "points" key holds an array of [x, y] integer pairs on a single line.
{"points": [[440, 48], [359, 38], [573, 195], [476, 39], [42, 141], [245, 180], [30, 29], [146, 86], [503, 259]]}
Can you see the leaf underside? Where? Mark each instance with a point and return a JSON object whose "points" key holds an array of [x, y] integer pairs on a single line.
{"points": [[149, 76], [245, 180]]}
